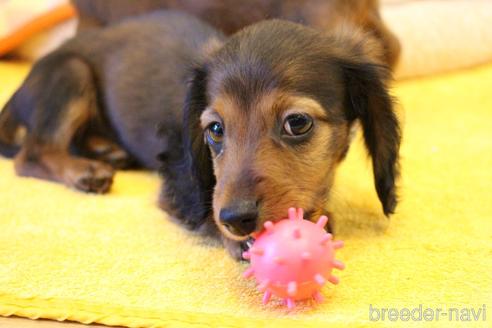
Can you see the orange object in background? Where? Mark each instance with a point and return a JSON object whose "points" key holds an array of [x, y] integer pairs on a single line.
{"points": [[37, 24]]}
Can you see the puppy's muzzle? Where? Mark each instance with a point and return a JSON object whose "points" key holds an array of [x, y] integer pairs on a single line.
{"points": [[240, 217]]}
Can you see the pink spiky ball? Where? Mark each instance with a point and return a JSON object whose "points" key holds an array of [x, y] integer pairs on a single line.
{"points": [[293, 259]]}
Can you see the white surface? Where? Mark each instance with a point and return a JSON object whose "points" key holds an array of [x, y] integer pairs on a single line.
{"points": [[438, 35]]}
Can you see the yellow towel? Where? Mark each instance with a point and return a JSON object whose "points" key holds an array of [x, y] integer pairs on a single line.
{"points": [[117, 260]]}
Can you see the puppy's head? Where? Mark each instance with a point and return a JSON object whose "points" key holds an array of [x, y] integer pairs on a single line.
{"points": [[270, 116]]}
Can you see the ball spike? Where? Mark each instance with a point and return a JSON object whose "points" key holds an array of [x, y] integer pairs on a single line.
{"points": [[322, 221], [257, 251], [264, 285], [268, 225], [246, 255], [338, 244], [248, 273], [300, 214], [267, 296], [338, 265], [318, 297], [290, 303], [292, 213], [320, 280], [334, 280], [306, 256], [297, 233], [292, 288], [326, 238]]}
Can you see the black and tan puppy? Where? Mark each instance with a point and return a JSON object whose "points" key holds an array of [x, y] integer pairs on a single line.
{"points": [[101, 96], [267, 120]]}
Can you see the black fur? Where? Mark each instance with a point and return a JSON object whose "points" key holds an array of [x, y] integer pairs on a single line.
{"points": [[54, 82], [9, 125], [187, 170], [368, 100]]}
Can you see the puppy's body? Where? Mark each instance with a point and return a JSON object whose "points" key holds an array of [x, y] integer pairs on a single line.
{"points": [[142, 67], [104, 94], [266, 118]]}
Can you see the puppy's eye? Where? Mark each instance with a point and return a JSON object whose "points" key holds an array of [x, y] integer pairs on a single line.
{"points": [[215, 133], [298, 124]]}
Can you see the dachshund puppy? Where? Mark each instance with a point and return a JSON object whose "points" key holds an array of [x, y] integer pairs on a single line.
{"points": [[267, 120], [229, 16], [259, 125], [95, 104]]}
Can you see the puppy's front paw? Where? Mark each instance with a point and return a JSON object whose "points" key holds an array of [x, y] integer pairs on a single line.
{"points": [[235, 248], [89, 176]]}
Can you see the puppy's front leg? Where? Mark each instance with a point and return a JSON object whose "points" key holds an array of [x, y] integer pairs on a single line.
{"points": [[59, 100]]}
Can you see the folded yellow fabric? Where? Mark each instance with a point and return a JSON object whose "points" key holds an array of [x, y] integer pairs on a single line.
{"points": [[117, 260]]}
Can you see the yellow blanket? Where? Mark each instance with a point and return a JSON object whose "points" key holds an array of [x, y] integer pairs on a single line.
{"points": [[117, 260]]}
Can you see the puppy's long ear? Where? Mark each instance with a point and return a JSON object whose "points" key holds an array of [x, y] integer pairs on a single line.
{"points": [[367, 99], [187, 168], [194, 142]]}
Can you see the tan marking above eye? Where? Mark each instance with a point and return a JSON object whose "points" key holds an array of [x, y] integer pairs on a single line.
{"points": [[304, 105], [209, 116]]}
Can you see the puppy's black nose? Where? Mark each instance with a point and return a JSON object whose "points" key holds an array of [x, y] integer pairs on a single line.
{"points": [[240, 217]]}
